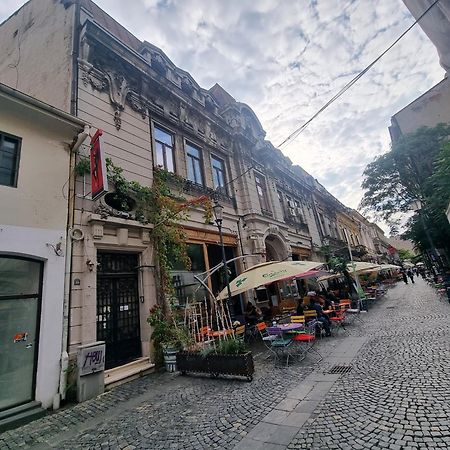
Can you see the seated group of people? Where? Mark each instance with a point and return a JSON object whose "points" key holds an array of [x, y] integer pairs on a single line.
{"points": [[312, 301]]}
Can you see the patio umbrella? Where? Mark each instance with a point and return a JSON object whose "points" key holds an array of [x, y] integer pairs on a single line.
{"points": [[361, 267], [270, 272], [332, 276], [389, 267]]}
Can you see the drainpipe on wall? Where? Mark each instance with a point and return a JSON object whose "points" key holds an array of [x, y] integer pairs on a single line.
{"points": [[67, 271], [71, 204]]}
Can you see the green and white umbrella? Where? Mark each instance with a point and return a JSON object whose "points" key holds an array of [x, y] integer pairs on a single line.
{"points": [[270, 272]]}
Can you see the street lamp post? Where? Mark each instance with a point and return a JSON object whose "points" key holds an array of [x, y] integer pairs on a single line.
{"points": [[218, 215]]}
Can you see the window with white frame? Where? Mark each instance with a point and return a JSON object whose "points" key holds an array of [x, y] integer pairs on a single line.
{"points": [[194, 163], [9, 159], [164, 149], [218, 172], [262, 192]]}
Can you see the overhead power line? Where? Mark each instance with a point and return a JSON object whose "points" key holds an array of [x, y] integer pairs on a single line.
{"points": [[293, 135]]}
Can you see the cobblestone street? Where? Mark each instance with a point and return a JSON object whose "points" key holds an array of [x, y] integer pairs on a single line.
{"points": [[395, 395]]}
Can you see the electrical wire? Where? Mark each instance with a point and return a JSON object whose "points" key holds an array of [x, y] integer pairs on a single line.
{"points": [[299, 130], [239, 176]]}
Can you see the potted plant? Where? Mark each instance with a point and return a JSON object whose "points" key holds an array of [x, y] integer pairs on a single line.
{"points": [[228, 357], [168, 338]]}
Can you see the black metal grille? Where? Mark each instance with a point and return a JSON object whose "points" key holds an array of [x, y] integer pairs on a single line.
{"points": [[118, 307], [340, 369]]}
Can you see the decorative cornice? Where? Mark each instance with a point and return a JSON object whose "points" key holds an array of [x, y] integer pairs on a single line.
{"points": [[119, 91]]}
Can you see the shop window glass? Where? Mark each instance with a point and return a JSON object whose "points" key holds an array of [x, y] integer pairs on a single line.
{"points": [[183, 280], [19, 315], [18, 276]]}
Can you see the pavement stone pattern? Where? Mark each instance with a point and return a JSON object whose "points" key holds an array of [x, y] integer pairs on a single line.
{"points": [[394, 397], [164, 411]]}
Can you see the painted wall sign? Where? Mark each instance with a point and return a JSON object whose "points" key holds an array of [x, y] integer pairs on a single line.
{"points": [[99, 179], [91, 359]]}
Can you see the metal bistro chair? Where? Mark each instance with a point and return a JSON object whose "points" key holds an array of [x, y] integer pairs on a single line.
{"points": [[300, 320], [339, 318], [353, 313], [280, 346], [305, 342], [266, 339], [311, 316]]}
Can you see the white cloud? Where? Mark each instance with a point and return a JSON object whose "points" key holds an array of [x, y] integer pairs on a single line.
{"points": [[286, 59]]}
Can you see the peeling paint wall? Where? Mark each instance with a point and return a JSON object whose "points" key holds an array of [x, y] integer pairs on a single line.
{"points": [[36, 47]]}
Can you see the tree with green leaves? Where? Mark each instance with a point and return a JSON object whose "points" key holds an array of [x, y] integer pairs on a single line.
{"points": [[405, 254], [415, 169]]}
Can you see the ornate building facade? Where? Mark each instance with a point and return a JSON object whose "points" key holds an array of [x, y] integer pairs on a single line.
{"points": [[155, 115]]}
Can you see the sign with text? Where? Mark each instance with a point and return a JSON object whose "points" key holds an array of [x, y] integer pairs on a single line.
{"points": [[91, 359], [99, 179]]}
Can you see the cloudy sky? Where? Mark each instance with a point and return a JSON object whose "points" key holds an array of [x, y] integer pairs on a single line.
{"points": [[286, 58]]}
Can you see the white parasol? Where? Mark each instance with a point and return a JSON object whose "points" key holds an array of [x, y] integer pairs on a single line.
{"points": [[269, 272]]}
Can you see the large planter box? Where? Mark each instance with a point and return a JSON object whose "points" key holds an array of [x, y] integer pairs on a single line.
{"points": [[215, 365]]}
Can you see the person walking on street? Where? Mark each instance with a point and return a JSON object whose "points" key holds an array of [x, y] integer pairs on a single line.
{"points": [[411, 275], [405, 279]]}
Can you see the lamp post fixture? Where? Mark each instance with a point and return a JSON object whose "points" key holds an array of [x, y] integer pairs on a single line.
{"points": [[218, 215]]}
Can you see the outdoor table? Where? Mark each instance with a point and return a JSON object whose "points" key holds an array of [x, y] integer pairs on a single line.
{"points": [[287, 327]]}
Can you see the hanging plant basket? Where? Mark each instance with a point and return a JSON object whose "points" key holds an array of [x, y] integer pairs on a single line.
{"points": [[240, 365]]}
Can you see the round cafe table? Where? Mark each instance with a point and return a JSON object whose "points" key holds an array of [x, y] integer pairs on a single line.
{"points": [[285, 327]]}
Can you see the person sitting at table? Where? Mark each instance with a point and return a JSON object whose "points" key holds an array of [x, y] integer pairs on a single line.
{"points": [[331, 297], [321, 317], [267, 311], [252, 314], [300, 310]]}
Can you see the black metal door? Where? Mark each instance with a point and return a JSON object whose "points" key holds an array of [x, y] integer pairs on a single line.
{"points": [[118, 307]]}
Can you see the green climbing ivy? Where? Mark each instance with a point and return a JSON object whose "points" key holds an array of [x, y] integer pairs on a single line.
{"points": [[163, 206]]}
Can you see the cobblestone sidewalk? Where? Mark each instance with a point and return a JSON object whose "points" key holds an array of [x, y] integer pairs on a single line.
{"points": [[396, 395], [393, 397]]}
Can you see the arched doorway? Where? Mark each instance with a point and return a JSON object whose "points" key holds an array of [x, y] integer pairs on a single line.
{"points": [[275, 248]]}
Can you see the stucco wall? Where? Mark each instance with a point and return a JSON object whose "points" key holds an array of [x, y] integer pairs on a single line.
{"points": [[429, 109], [34, 216], [40, 198], [24, 65], [32, 242]]}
